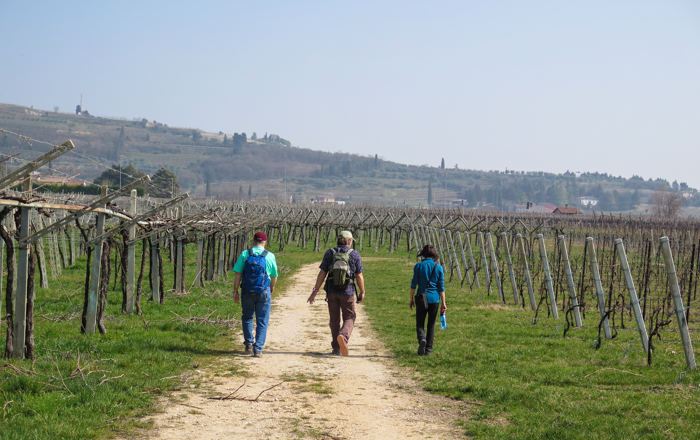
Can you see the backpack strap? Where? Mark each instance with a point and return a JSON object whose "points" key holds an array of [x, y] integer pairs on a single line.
{"points": [[433, 272]]}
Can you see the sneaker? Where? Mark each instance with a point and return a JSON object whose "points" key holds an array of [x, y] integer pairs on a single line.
{"points": [[257, 354], [335, 353], [421, 348], [343, 345], [248, 348]]}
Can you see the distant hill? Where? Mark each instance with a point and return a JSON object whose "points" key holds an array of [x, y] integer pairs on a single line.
{"points": [[234, 163]]}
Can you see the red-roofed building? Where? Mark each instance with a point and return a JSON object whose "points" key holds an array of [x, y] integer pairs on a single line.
{"points": [[567, 210]]}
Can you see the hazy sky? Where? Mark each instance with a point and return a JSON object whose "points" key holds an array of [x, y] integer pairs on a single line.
{"points": [[525, 85]]}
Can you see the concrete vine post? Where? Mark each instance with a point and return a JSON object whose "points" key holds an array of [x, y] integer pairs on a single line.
{"points": [[548, 276], [570, 280], [467, 278], [600, 293], [634, 300], [467, 234], [526, 272], [679, 310], [494, 265], [509, 261], [484, 261]]}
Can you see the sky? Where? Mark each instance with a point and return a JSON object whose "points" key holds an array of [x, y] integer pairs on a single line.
{"points": [[525, 85]]}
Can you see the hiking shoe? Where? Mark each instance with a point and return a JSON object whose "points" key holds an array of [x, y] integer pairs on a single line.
{"points": [[421, 348], [248, 348], [343, 345], [335, 353], [257, 354]]}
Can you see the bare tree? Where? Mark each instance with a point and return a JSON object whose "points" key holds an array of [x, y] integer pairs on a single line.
{"points": [[55, 109], [665, 204]]}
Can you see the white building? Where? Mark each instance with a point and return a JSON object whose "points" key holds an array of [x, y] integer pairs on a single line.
{"points": [[587, 201]]}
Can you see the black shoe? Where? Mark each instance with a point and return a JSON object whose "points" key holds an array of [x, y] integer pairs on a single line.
{"points": [[421, 348], [257, 354], [248, 348]]}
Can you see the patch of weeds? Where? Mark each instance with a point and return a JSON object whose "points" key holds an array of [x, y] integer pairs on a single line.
{"points": [[306, 383]]}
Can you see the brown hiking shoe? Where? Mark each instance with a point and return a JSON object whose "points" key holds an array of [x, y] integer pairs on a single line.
{"points": [[343, 345], [248, 348], [257, 354]]}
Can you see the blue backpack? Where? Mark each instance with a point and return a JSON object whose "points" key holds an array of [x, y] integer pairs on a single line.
{"points": [[255, 279]]}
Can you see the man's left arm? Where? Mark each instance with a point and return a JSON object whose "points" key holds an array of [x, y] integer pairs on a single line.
{"points": [[360, 286], [272, 270]]}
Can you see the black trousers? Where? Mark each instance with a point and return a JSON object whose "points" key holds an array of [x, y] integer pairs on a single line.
{"points": [[431, 313]]}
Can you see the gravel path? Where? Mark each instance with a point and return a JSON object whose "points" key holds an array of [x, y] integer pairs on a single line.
{"points": [[310, 394]]}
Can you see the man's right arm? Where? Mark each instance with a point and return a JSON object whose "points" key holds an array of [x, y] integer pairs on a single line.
{"points": [[236, 283], [319, 281]]}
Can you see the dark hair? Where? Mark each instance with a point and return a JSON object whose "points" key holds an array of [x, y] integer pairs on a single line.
{"points": [[429, 252], [342, 241]]}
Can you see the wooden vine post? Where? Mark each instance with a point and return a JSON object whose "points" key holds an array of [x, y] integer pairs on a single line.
{"points": [[131, 260], [20, 312], [91, 307]]}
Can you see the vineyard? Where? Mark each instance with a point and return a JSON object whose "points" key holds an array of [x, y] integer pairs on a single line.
{"points": [[609, 273]]}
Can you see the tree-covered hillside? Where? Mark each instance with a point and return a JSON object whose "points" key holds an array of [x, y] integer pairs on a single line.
{"points": [[220, 164]]}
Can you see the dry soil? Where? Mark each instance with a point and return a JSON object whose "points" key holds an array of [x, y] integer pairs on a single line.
{"points": [[310, 393]]}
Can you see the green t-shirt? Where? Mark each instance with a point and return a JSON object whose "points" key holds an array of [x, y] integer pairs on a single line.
{"points": [[270, 261]]}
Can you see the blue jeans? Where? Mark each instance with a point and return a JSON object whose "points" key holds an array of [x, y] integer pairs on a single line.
{"points": [[258, 305]]}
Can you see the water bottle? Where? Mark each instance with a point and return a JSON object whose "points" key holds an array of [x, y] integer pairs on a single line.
{"points": [[443, 320]]}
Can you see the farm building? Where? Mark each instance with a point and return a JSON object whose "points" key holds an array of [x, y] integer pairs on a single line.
{"points": [[567, 210]]}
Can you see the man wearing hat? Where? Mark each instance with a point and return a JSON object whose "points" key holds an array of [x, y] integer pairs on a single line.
{"points": [[344, 263], [257, 268]]}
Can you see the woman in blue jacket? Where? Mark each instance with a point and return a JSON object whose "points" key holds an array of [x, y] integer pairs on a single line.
{"points": [[429, 277]]}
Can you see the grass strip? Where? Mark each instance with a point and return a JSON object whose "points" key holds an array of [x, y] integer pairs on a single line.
{"points": [[529, 380], [98, 386]]}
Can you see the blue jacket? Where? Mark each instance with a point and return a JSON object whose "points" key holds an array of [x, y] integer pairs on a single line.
{"points": [[433, 287]]}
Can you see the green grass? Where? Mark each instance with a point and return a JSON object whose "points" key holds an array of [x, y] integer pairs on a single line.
{"points": [[519, 380], [526, 381], [126, 371]]}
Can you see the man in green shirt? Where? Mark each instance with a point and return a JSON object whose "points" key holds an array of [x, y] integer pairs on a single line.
{"points": [[257, 268]]}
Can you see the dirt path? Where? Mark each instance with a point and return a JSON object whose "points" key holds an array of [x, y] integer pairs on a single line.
{"points": [[362, 396]]}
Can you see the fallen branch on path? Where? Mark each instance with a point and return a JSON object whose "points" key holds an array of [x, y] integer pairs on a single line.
{"points": [[232, 396], [192, 406]]}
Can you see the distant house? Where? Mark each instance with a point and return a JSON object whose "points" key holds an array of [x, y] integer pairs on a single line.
{"points": [[58, 180], [322, 200], [687, 194], [587, 201], [459, 202], [567, 210], [545, 208], [514, 207]]}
